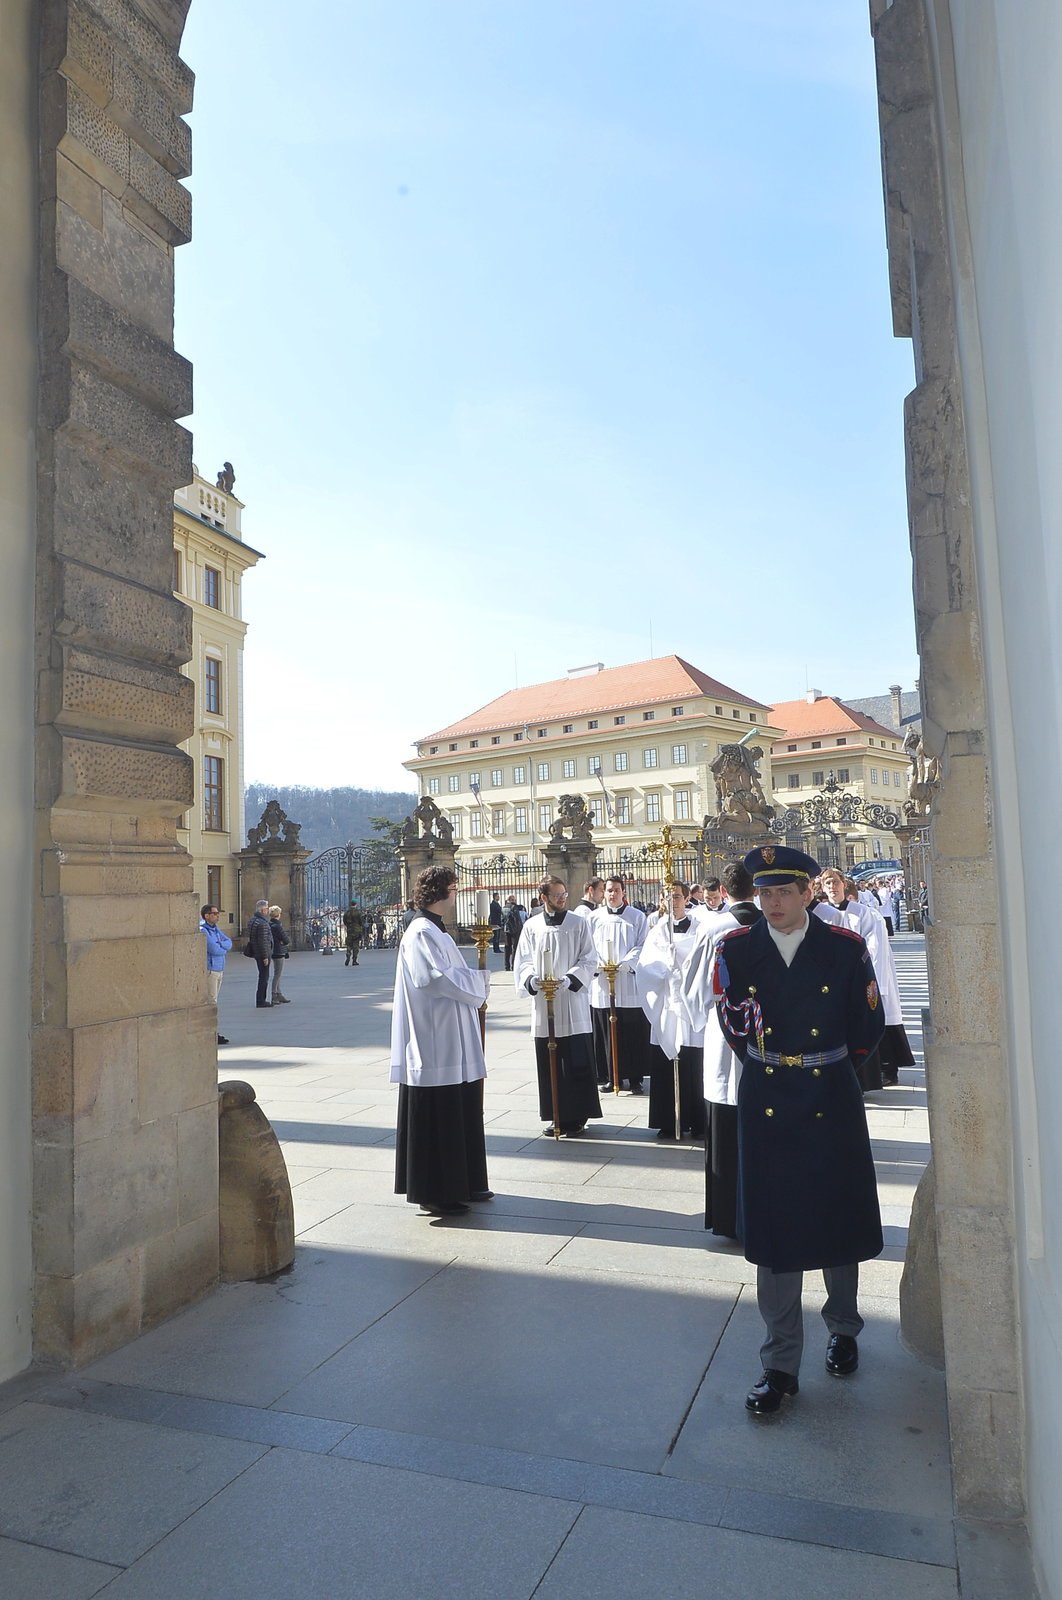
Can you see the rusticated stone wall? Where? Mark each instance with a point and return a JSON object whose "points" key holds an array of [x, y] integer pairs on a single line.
{"points": [[966, 1056], [124, 1061]]}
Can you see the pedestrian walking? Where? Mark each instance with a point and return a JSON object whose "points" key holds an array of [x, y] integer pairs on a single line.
{"points": [[515, 917], [353, 933], [437, 1059], [218, 945], [280, 953]]}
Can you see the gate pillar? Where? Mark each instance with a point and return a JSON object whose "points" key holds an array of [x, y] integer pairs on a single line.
{"points": [[434, 847], [267, 863]]}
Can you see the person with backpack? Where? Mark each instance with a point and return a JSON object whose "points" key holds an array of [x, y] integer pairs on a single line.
{"points": [[515, 917]]}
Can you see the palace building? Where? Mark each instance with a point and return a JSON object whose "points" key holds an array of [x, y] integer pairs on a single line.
{"points": [[825, 738], [636, 742], [210, 558]]}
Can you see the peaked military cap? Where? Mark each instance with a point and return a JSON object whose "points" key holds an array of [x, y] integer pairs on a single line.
{"points": [[776, 863]]}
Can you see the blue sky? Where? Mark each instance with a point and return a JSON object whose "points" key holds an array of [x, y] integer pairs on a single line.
{"points": [[533, 327]]}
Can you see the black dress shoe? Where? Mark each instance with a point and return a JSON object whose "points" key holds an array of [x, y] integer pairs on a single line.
{"points": [[454, 1210], [636, 1088], [263, 1005], [222, 1039], [766, 1397], [842, 1355], [482, 1194]]}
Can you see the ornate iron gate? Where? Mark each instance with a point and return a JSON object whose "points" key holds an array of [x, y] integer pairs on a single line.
{"points": [[323, 887]]}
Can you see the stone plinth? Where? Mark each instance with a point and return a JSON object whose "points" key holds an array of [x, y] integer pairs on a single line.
{"points": [[257, 1215], [123, 1039], [573, 861]]}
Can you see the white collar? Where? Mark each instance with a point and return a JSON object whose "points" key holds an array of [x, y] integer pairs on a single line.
{"points": [[787, 944]]}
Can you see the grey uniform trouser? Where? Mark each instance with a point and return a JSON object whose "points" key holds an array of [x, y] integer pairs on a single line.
{"points": [[778, 1296]]}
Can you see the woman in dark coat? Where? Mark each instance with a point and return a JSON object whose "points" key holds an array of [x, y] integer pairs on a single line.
{"points": [[280, 951]]}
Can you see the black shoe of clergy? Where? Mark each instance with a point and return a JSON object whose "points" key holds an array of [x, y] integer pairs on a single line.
{"points": [[482, 1194], [454, 1210], [842, 1355], [766, 1397]]}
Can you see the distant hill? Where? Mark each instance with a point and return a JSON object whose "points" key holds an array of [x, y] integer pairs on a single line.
{"points": [[328, 816]]}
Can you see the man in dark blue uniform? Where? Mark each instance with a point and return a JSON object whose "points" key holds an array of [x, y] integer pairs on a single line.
{"points": [[799, 1003]]}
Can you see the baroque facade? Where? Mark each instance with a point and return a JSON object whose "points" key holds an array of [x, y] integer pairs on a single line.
{"points": [[210, 558], [636, 742]]}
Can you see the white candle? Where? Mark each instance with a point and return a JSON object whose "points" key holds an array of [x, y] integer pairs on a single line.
{"points": [[612, 952], [482, 905], [547, 961]]}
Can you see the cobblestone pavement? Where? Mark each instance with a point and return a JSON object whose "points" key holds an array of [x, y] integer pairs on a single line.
{"points": [[542, 1398]]}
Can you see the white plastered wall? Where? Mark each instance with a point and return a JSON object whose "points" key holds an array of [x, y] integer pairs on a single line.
{"points": [[18, 400], [1005, 133]]}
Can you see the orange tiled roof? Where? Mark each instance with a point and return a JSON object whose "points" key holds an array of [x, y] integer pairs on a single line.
{"points": [[642, 683], [802, 719]]}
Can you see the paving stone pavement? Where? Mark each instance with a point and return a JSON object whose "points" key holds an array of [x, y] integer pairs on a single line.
{"points": [[543, 1398]]}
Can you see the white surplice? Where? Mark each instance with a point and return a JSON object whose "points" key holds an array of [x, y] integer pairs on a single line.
{"points": [[722, 1068], [867, 920], [561, 949], [435, 1023], [619, 934], [661, 987]]}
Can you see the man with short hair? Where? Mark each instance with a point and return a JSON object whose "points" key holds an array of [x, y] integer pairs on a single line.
{"points": [[495, 919], [713, 895], [260, 939], [593, 898], [218, 945], [618, 931], [799, 1002], [558, 945], [353, 932], [515, 917]]}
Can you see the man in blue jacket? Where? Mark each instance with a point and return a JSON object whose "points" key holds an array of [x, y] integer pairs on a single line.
{"points": [[218, 945]]}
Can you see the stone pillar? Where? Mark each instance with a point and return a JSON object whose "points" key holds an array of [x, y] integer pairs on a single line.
{"points": [[573, 860], [124, 1059], [268, 874]]}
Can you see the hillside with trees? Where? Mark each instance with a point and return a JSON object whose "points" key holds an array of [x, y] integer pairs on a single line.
{"points": [[328, 816]]}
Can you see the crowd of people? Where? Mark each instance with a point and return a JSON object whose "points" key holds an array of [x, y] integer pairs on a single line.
{"points": [[761, 1007]]}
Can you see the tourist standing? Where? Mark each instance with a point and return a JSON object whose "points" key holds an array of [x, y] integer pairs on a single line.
{"points": [[218, 945], [260, 945], [280, 952], [437, 1059]]}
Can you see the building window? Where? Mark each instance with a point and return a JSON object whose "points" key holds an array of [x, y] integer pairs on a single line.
{"points": [[873, 774], [212, 587], [495, 738], [455, 822], [519, 775], [543, 772], [473, 781], [597, 813], [475, 825], [568, 727], [542, 732], [433, 749], [569, 769], [623, 809], [452, 747], [454, 782], [214, 887], [678, 711], [593, 766], [842, 775], [648, 716], [497, 819], [433, 785], [682, 805], [840, 741], [496, 778], [648, 758], [592, 724], [517, 738], [678, 755], [519, 819], [213, 808], [790, 747], [545, 818], [652, 808], [177, 585], [521, 861], [719, 711], [473, 744], [816, 744], [617, 722], [212, 686], [794, 780], [896, 779], [619, 761], [752, 716], [818, 779], [735, 713]]}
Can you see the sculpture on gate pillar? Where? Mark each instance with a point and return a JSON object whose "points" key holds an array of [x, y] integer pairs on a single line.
{"points": [[741, 805], [924, 775], [571, 854], [268, 859], [425, 839], [572, 818]]}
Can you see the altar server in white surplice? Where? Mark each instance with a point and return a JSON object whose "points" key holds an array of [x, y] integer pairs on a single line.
{"points": [[618, 931], [673, 1031], [882, 1068], [556, 943], [437, 1059]]}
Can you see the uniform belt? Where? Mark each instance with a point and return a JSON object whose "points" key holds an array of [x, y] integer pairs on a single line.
{"points": [[820, 1058]]}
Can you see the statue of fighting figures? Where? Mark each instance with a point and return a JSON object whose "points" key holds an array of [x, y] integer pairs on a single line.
{"points": [[923, 777], [572, 816], [739, 798], [434, 826]]}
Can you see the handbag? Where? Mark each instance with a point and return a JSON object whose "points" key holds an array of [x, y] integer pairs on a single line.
{"points": [[248, 949]]}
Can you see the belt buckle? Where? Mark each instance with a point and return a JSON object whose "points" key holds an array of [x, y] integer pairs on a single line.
{"points": [[791, 1061]]}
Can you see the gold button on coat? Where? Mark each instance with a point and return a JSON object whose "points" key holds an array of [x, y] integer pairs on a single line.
{"points": [[767, 1032], [770, 1071], [752, 988], [819, 1114], [814, 1033], [816, 1072], [769, 1111], [825, 988]]}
